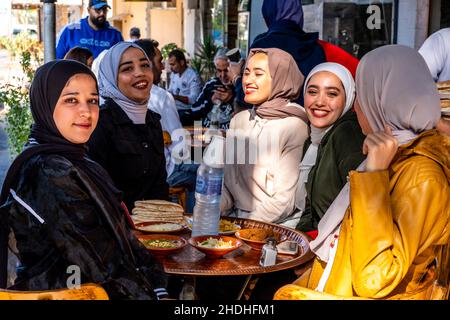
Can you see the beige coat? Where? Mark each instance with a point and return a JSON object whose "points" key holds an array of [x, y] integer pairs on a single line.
{"points": [[260, 176]]}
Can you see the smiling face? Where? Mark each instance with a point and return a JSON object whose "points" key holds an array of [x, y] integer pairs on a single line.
{"points": [[257, 81], [135, 75], [324, 99], [76, 112]]}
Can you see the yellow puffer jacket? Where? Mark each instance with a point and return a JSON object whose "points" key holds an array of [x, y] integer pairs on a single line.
{"points": [[390, 235]]}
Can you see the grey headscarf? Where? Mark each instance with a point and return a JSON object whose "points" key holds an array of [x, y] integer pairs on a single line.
{"points": [[394, 88], [108, 87]]}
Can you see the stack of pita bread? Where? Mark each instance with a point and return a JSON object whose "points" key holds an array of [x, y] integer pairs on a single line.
{"points": [[444, 92], [157, 210]]}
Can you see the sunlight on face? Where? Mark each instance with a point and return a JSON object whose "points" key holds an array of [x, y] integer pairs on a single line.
{"points": [[135, 75], [324, 99], [257, 81], [76, 112]]}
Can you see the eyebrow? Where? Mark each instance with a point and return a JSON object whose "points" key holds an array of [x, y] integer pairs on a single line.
{"points": [[327, 88], [77, 93], [131, 62], [259, 69]]}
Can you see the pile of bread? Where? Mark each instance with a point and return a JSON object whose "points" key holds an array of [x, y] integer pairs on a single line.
{"points": [[444, 92], [157, 210]]}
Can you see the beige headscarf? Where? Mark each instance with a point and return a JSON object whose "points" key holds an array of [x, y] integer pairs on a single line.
{"points": [[394, 88], [287, 81]]}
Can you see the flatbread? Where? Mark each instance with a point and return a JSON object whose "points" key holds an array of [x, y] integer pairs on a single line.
{"points": [[159, 205]]}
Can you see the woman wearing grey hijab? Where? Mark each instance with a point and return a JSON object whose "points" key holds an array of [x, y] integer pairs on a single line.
{"points": [[381, 235], [128, 140], [260, 177]]}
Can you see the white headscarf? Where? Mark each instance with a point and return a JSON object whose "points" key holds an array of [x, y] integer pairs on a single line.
{"points": [[107, 82], [317, 134], [394, 88]]}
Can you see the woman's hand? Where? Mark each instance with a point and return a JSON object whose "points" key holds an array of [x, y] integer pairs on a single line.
{"points": [[380, 148]]}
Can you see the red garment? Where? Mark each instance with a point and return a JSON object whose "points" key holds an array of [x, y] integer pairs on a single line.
{"points": [[313, 234], [335, 54]]}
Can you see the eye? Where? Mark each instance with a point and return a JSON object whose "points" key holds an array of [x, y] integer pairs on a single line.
{"points": [[311, 92], [258, 74], [246, 73], [145, 65], [126, 69], [71, 100], [93, 101], [333, 94]]}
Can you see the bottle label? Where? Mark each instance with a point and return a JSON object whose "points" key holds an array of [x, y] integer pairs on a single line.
{"points": [[209, 186]]}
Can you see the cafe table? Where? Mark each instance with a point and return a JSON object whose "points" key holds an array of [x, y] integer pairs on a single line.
{"points": [[191, 262]]}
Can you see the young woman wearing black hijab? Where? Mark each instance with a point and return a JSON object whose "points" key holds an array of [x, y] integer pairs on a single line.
{"points": [[62, 207]]}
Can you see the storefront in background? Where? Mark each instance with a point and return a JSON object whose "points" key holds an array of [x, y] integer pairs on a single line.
{"points": [[357, 26]]}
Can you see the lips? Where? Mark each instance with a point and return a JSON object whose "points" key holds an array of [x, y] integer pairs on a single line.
{"points": [[83, 125], [250, 90], [141, 85], [318, 113]]}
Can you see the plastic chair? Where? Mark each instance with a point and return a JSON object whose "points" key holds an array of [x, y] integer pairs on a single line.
{"points": [[87, 291]]}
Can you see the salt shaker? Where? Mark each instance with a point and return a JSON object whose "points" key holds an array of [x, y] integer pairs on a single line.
{"points": [[269, 253]]}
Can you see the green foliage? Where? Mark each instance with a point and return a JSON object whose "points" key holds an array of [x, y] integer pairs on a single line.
{"points": [[198, 65], [14, 94], [165, 50], [205, 58]]}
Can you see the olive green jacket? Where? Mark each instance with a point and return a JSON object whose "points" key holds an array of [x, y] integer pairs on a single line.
{"points": [[339, 152]]}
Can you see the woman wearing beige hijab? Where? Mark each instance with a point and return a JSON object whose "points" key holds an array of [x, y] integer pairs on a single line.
{"points": [[380, 236], [264, 145]]}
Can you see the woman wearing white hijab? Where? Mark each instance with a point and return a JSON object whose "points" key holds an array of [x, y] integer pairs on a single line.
{"points": [[380, 237], [335, 146], [128, 140]]}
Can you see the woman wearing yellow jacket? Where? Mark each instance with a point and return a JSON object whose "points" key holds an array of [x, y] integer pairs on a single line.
{"points": [[380, 237]]}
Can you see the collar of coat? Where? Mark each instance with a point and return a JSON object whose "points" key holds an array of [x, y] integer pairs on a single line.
{"points": [[119, 116], [430, 144]]}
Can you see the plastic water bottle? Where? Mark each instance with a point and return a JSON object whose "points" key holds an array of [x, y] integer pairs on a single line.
{"points": [[214, 115], [208, 189]]}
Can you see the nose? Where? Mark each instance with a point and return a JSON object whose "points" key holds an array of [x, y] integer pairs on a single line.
{"points": [[247, 79], [320, 101], [85, 110]]}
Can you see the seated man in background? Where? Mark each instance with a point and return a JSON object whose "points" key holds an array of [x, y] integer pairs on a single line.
{"points": [[185, 83], [217, 91]]}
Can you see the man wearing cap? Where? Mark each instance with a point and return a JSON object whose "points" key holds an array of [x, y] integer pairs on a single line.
{"points": [[92, 32]]}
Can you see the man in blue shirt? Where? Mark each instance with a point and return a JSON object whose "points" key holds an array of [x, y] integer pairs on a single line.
{"points": [[92, 32]]}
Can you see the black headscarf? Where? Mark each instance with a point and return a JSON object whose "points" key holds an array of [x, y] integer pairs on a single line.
{"points": [[48, 83]]}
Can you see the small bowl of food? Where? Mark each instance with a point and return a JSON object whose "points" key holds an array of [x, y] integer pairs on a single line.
{"points": [[256, 237], [163, 244], [159, 227], [215, 247]]}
